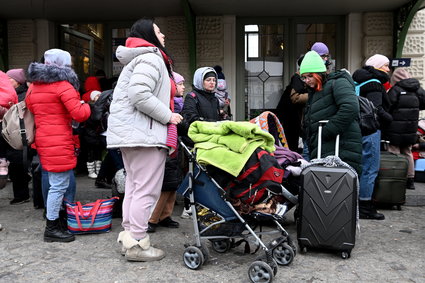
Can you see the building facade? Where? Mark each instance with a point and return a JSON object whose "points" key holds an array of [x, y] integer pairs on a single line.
{"points": [[258, 54]]}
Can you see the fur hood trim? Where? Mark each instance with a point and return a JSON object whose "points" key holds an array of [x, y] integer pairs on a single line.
{"points": [[42, 73]]}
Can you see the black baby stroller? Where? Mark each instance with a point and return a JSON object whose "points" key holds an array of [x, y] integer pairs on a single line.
{"points": [[226, 225]]}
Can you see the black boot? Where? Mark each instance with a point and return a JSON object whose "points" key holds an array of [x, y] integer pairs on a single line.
{"points": [[368, 211], [54, 233], [410, 184], [63, 221]]}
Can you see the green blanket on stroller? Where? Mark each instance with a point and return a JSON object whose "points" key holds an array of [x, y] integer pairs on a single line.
{"points": [[228, 145]]}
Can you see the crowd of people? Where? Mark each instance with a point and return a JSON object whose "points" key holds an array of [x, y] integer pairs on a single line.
{"points": [[136, 121]]}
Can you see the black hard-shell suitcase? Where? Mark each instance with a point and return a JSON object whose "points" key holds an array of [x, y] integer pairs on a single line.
{"points": [[327, 207], [390, 185]]}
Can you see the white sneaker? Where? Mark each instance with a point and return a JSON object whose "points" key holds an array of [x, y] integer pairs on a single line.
{"points": [[92, 175], [186, 213]]}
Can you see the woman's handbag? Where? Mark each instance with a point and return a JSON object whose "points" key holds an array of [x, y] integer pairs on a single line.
{"points": [[95, 217]]}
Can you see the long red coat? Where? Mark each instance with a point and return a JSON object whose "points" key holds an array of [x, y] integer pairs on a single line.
{"points": [[54, 106]]}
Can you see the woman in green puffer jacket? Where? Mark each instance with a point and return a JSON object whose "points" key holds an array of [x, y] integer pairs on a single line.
{"points": [[331, 97]]}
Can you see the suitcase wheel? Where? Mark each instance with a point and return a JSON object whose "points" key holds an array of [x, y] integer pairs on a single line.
{"points": [[303, 249], [345, 254]]}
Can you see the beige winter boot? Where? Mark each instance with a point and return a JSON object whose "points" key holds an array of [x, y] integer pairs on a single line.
{"points": [[140, 250], [119, 241]]}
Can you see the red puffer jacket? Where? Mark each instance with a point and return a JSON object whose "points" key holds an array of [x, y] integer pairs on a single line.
{"points": [[55, 102]]}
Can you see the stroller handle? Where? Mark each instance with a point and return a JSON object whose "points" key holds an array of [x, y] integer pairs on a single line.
{"points": [[186, 149]]}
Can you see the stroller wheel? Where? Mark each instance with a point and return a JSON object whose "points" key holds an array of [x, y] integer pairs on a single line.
{"points": [[273, 264], [292, 245], [221, 246], [193, 257], [205, 252], [261, 272], [283, 254]]}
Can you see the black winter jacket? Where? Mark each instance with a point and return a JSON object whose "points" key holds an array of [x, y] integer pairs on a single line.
{"points": [[375, 91], [173, 173], [199, 105], [290, 114], [21, 91], [97, 122], [407, 98], [100, 109]]}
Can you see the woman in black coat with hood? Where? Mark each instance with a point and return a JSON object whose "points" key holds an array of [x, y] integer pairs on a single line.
{"points": [[407, 98]]}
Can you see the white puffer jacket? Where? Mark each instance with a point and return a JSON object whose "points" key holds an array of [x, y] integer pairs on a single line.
{"points": [[140, 108]]}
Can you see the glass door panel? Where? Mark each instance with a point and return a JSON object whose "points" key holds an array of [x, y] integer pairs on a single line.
{"points": [[81, 48], [263, 67]]}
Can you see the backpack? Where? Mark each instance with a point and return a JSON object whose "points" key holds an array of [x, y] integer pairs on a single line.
{"points": [[18, 127], [259, 179], [368, 116]]}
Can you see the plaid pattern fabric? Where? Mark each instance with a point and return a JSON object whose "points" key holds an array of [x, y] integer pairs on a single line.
{"points": [[262, 121]]}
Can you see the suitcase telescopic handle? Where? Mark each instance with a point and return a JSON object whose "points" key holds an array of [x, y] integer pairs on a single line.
{"points": [[319, 140]]}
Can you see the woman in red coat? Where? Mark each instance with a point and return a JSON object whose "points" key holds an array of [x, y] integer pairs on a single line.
{"points": [[54, 100]]}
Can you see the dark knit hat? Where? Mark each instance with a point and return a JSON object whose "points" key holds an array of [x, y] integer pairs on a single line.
{"points": [[210, 74], [300, 60], [219, 70]]}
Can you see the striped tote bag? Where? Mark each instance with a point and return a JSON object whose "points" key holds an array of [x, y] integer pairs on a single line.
{"points": [[95, 217]]}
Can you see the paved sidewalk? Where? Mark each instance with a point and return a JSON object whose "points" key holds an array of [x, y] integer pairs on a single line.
{"points": [[386, 251], [416, 197]]}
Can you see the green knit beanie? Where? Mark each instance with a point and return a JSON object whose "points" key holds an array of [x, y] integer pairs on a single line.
{"points": [[312, 63]]}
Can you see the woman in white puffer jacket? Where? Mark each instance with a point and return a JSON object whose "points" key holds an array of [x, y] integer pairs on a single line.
{"points": [[137, 124]]}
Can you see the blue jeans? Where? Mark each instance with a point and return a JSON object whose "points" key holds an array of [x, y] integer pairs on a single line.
{"points": [[306, 153], [370, 161], [45, 186], [116, 158], [59, 184]]}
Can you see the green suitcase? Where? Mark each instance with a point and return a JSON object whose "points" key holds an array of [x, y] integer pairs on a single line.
{"points": [[390, 185]]}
